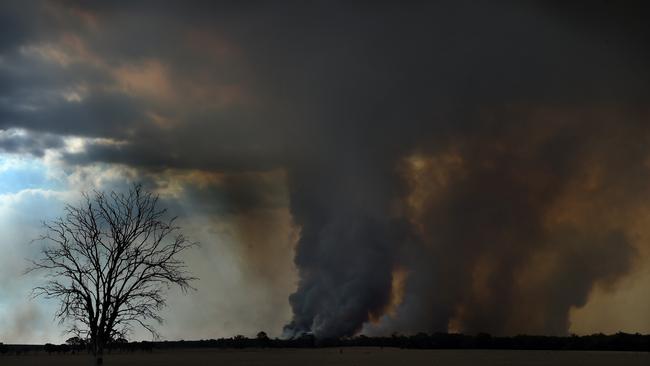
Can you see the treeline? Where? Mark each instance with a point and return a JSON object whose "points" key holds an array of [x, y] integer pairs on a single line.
{"points": [[600, 342], [614, 342], [74, 346]]}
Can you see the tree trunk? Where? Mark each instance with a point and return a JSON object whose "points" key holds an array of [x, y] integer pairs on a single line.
{"points": [[99, 357], [98, 352]]}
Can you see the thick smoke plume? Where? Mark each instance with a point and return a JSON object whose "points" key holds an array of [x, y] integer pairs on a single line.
{"points": [[504, 231], [491, 148]]}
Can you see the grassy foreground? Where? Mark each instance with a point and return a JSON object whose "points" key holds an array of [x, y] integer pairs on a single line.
{"points": [[344, 357]]}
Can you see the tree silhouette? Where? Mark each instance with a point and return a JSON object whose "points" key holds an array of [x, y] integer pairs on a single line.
{"points": [[262, 339], [109, 262]]}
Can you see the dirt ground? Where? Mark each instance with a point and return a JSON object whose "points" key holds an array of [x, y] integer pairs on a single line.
{"points": [[345, 357]]}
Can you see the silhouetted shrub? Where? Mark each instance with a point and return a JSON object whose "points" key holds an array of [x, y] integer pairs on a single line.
{"points": [[263, 339]]}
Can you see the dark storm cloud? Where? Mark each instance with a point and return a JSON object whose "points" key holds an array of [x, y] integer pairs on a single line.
{"points": [[340, 94], [15, 27], [100, 115], [309, 70], [228, 194], [61, 95], [21, 142]]}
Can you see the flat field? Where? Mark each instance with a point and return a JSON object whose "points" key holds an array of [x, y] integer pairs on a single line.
{"points": [[344, 357]]}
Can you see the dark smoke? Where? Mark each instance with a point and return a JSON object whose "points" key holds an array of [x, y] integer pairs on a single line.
{"points": [[346, 250], [495, 252], [484, 249], [485, 254]]}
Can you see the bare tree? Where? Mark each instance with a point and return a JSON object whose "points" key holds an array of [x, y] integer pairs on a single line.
{"points": [[109, 262]]}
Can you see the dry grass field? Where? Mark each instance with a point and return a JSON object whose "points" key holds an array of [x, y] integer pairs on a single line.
{"points": [[344, 357]]}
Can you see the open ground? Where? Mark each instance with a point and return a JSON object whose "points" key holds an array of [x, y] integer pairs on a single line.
{"points": [[344, 357]]}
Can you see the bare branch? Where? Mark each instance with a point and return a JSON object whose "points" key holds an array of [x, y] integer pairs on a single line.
{"points": [[109, 262]]}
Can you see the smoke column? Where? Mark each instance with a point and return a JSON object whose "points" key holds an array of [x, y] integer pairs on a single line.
{"points": [[480, 160]]}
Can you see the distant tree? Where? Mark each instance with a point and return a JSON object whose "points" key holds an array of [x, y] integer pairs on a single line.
{"points": [[60, 348], [109, 262], [76, 344], [75, 341], [146, 346], [263, 339], [483, 340], [120, 343], [239, 341]]}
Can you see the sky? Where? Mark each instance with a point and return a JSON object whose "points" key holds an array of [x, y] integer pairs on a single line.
{"points": [[348, 167]]}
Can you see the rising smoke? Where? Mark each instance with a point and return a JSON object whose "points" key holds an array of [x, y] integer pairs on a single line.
{"points": [[501, 181]]}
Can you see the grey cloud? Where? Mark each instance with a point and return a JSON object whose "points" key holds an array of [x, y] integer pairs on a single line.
{"points": [[28, 142]]}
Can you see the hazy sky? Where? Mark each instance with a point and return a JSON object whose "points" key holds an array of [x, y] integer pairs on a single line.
{"points": [[347, 166]]}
